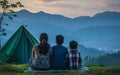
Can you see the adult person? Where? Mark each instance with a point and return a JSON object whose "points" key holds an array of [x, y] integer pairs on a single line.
{"points": [[59, 52], [41, 54]]}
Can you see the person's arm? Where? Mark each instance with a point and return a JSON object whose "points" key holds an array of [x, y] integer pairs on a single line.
{"points": [[67, 59], [34, 54], [51, 56], [80, 59]]}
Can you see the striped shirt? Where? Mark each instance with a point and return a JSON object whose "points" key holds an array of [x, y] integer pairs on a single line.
{"points": [[74, 59]]}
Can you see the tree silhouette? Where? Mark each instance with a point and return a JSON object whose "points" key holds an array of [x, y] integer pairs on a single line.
{"points": [[7, 11]]}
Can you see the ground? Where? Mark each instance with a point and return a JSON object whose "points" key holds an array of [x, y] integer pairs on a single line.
{"points": [[16, 69]]}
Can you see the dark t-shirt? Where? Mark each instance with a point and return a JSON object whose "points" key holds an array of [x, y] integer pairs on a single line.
{"points": [[59, 60]]}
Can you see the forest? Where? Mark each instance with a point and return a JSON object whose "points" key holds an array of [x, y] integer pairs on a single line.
{"points": [[109, 59]]}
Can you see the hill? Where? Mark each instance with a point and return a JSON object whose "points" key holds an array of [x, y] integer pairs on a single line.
{"points": [[85, 29], [105, 37], [108, 59], [100, 19], [91, 52]]}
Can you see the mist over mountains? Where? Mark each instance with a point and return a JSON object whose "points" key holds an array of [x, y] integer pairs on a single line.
{"points": [[102, 31]]}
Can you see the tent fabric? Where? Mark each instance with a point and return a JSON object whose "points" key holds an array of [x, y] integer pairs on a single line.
{"points": [[18, 48]]}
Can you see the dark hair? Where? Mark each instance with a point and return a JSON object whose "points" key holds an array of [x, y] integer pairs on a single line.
{"points": [[73, 45], [43, 46], [43, 36], [59, 39]]}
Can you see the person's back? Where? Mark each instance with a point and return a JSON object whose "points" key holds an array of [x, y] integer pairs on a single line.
{"points": [[59, 52], [74, 56], [74, 59], [41, 54], [42, 61]]}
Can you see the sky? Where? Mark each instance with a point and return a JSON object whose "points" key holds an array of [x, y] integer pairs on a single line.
{"points": [[71, 8]]}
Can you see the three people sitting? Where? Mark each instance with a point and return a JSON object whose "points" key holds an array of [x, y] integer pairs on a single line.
{"points": [[56, 58]]}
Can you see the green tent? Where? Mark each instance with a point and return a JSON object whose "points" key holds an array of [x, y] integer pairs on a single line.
{"points": [[18, 48]]}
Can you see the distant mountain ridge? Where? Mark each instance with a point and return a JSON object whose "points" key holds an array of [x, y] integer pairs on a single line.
{"points": [[84, 29], [89, 52], [103, 36], [100, 19]]}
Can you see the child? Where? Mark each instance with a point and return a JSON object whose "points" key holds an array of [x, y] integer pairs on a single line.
{"points": [[74, 56]]}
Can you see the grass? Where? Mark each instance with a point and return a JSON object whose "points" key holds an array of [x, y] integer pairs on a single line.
{"points": [[106, 70], [13, 69]]}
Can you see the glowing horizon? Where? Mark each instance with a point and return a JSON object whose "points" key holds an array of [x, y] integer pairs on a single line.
{"points": [[71, 8]]}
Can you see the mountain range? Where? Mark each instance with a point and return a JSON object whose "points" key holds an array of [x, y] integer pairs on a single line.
{"points": [[89, 52], [101, 31]]}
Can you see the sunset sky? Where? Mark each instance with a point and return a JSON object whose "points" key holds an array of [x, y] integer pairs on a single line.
{"points": [[71, 8]]}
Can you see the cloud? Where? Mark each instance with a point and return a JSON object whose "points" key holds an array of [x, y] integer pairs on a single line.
{"points": [[109, 5], [71, 8], [0, 9], [66, 5], [57, 4], [101, 4], [74, 8], [47, 0], [115, 3]]}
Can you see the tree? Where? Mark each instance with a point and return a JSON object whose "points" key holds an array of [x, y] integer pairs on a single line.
{"points": [[86, 59], [7, 11]]}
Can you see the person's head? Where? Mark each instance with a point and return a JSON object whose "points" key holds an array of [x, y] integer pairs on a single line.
{"points": [[43, 36], [43, 46], [73, 45], [59, 39]]}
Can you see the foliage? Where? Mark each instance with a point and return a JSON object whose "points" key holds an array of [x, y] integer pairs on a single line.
{"points": [[108, 59], [8, 68], [94, 65], [7, 10]]}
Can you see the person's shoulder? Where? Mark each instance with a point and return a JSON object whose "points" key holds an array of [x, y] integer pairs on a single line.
{"points": [[78, 52], [54, 46], [64, 47], [35, 46]]}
